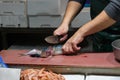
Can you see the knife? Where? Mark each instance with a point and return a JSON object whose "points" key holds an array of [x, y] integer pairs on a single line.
{"points": [[53, 39], [10, 74]]}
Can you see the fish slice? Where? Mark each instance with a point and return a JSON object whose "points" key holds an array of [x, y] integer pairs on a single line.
{"points": [[9, 74], [32, 52], [36, 53], [44, 53], [53, 39]]}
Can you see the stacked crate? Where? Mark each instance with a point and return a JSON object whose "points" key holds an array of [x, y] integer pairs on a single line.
{"points": [[45, 13], [82, 18], [13, 13]]}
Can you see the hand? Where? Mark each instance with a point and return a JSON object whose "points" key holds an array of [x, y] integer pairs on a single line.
{"points": [[62, 31], [71, 45]]}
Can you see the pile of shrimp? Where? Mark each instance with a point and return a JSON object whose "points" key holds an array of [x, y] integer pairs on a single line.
{"points": [[40, 74]]}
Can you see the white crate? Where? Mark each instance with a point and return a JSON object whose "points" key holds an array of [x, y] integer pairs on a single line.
{"points": [[81, 19], [46, 7], [14, 21], [44, 21], [12, 7], [74, 77], [102, 77]]}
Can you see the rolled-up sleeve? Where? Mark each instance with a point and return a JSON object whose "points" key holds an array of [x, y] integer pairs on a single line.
{"points": [[113, 9]]}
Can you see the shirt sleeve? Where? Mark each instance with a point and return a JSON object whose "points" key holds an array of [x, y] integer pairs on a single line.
{"points": [[113, 9], [80, 1]]}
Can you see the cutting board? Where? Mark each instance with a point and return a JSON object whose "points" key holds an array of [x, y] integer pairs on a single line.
{"points": [[105, 60]]}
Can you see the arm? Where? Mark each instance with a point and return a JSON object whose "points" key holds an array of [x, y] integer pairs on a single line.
{"points": [[105, 19], [73, 8], [102, 21]]}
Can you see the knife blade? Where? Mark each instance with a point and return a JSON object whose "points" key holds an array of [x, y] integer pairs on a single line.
{"points": [[53, 39]]}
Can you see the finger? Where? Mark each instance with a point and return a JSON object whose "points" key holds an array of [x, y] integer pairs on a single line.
{"points": [[64, 37], [71, 49], [57, 32], [65, 48], [75, 47]]}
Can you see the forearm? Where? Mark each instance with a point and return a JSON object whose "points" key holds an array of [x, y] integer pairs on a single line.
{"points": [[109, 16], [102, 21], [73, 8]]}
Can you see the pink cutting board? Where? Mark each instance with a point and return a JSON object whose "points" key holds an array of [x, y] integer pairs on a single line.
{"points": [[105, 60]]}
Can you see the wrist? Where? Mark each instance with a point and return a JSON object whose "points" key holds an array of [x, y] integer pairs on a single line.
{"points": [[66, 22], [65, 25]]}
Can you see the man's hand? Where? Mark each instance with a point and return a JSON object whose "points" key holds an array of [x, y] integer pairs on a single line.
{"points": [[62, 31], [71, 45]]}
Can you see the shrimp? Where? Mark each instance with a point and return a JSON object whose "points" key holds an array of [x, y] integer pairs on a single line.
{"points": [[40, 74]]}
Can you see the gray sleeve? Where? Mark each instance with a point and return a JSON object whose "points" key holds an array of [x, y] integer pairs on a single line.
{"points": [[113, 9]]}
